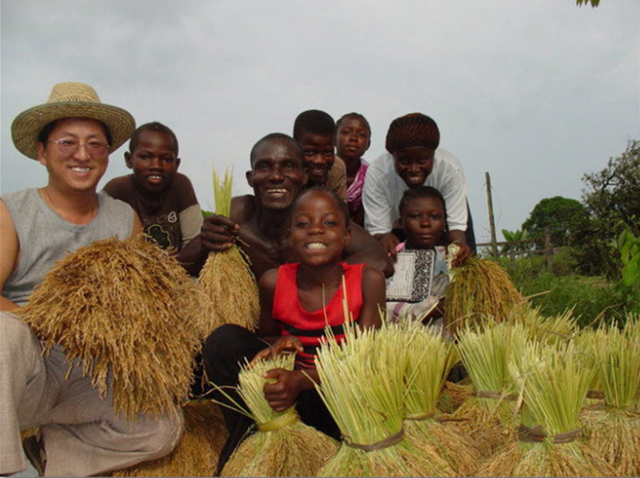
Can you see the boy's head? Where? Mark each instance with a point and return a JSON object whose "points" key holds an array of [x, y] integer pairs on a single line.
{"points": [[314, 130], [423, 216], [277, 171], [319, 226], [153, 156], [412, 140], [353, 136]]}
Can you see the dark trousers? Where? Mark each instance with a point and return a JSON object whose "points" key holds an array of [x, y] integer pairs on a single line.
{"points": [[224, 351]]}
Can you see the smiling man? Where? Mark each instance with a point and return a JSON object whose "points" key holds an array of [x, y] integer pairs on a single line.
{"points": [[259, 222], [80, 432]]}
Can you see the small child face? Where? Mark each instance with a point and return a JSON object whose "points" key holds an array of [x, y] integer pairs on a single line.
{"points": [[352, 138], [319, 156], [414, 164], [319, 232], [153, 160], [423, 222]]}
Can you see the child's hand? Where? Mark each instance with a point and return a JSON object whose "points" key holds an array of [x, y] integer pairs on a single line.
{"points": [[287, 343], [282, 394], [218, 233], [390, 243]]}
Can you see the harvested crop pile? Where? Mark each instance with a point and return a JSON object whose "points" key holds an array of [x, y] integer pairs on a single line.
{"points": [[127, 310]]}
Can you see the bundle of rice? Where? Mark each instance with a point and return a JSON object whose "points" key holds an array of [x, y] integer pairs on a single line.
{"points": [[614, 428], [558, 329], [555, 386], [226, 277], [430, 359], [453, 395], [361, 383], [125, 309], [489, 418], [479, 289], [586, 342], [197, 452], [283, 445]]}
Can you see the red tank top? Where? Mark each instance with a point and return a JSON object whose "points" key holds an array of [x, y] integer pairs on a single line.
{"points": [[309, 327]]}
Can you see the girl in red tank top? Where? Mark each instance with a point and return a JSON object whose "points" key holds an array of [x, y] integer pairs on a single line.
{"points": [[298, 300]]}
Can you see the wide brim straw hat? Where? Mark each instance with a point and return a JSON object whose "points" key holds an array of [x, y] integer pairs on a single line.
{"points": [[70, 100]]}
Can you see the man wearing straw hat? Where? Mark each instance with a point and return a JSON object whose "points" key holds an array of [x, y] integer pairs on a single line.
{"points": [[71, 135]]}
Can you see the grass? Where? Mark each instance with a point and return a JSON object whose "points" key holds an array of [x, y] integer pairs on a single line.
{"points": [[593, 299]]}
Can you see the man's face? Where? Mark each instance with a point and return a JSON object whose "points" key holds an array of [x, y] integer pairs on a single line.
{"points": [[319, 156], [414, 164], [277, 174], [80, 168]]}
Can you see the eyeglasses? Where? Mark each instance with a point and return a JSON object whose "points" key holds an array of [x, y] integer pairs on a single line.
{"points": [[70, 146]]}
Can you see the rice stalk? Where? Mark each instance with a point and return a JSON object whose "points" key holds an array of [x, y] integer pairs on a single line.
{"points": [[125, 310], [283, 445], [430, 359], [614, 428], [490, 417], [197, 452], [555, 382], [226, 276], [480, 289], [558, 329]]}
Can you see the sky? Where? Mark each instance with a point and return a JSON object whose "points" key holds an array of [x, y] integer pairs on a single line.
{"points": [[535, 93]]}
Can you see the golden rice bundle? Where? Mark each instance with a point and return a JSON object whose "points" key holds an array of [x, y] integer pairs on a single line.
{"points": [[283, 444], [549, 440], [479, 289], [430, 359], [197, 452], [125, 309], [226, 277], [362, 385], [614, 428], [490, 417], [453, 395]]}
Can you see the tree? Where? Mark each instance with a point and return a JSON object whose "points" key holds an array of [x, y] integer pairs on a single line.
{"points": [[594, 3], [612, 199], [563, 216]]}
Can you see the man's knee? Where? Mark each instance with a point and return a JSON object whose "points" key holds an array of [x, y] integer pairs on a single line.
{"points": [[163, 436]]}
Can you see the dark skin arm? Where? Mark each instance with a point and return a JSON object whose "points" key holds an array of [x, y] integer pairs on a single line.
{"points": [[364, 249], [282, 394]]}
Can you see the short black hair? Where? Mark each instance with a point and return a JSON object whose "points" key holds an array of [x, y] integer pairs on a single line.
{"points": [[153, 126], [342, 205], [423, 192], [354, 115], [278, 137], [314, 122], [43, 135]]}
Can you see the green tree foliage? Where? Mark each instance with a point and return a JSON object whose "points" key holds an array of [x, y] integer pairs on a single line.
{"points": [[594, 3], [563, 216], [514, 238], [612, 198]]}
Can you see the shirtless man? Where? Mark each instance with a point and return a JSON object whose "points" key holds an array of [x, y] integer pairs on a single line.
{"points": [[258, 222]]}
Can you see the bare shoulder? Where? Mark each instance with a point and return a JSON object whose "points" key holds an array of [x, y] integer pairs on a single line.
{"points": [[242, 209], [268, 279], [372, 276]]}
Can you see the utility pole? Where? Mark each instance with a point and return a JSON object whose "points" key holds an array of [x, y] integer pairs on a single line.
{"points": [[492, 224]]}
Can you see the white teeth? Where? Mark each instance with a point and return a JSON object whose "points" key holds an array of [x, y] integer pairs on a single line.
{"points": [[277, 191], [155, 177], [80, 169], [316, 245]]}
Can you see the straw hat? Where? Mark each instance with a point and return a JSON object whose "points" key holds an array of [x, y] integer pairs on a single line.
{"points": [[70, 100]]}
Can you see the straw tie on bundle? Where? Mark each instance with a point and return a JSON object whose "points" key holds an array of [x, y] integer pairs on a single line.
{"points": [[479, 289], [549, 443], [614, 427], [126, 310], [362, 385], [226, 277], [197, 452], [429, 361], [489, 416], [283, 444]]}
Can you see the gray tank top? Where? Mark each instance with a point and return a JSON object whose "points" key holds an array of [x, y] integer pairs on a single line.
{"points": [[45, 237]]}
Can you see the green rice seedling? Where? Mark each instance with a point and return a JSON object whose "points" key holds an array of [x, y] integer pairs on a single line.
{"points": [[283, 445]]}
